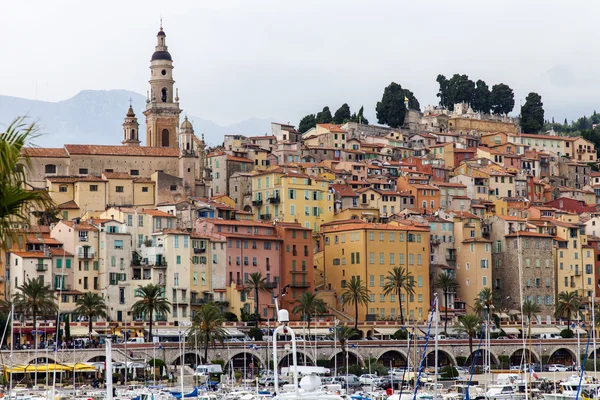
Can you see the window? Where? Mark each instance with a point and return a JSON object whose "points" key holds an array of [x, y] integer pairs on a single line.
{"points": [[178, 260], [83, 171], [371, 280], [118, 245], [371, 258], [144, 189], [173, 188], [381, 234], [381, 280], [381, 258], [176, 241], [134, 172], [119, 189], [62, 189], [93, 188], [371, 236], [50, 169]]}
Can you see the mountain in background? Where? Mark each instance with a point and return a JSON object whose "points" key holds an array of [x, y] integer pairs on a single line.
{"points": [[95, 117]]}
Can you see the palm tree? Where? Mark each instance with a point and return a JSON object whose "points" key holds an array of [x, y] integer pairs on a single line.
{"points": [[356, 293], [91, 305], [151, 302], [16, 201], [399, 278], [256, 283], [207, 327], [35, 299], [469, 324], [485, 301], [343, 334], [448, 284], [530, 309], [568, 305], [308, 304]]}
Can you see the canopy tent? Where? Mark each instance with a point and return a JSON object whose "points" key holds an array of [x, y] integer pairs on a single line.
{"points": [[511, 330], [234, 332], [21, 369], [538, 330], [169, 332], [313, 332], [386, 331], [82, 331]]}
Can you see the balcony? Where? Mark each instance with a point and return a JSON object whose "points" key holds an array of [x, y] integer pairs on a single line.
{"points": [[306, 253], [581, 150], [296, 271], [265, 217], [573, 284], [197, 301], [578, 272], [257, 203], [162, 282], [200, 251], [180, 301], [160, 265], [274, 200], [86, 254], [294, 252], [300, 285], [41, 267], [435, 240], [271, 285], [450, 256]]}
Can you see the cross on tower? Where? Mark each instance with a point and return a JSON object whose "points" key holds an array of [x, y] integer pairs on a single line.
{"points": [[130, 102]]}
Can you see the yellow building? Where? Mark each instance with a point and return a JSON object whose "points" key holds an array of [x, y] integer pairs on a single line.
{"points": [[370, 251], [574, 258], [292, 196]]}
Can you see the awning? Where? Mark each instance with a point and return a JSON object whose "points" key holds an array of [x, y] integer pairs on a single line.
{"points": [[168, 332], [536, 330], [579, 331], [82, 331], [234, 332], [511, 331], [386, 331], [514, 312], [313, 332], [503, 315]]}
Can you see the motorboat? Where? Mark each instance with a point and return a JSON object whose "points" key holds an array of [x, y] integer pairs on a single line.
{"points": [[505, 391], [570, 387]]}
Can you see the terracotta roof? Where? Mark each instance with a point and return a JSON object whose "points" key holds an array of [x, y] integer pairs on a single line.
{"points": [[68, 205], [30, 254], [511, 218], [158, 213], [59, 251], [73, 179], [449, 184], [344, 190], [42, 240], [104, 150], [45, 152], [239, 159], [476, 240], [332, 128], [465, 214], [143, 180], [352, 224], [82, 226], [117, 175], [530, 234]]}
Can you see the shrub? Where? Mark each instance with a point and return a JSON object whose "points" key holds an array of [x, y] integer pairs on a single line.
{"points": [[567, 334], [230, 317], [449, 372], [400, 334], [461, 360], [255, 333]]}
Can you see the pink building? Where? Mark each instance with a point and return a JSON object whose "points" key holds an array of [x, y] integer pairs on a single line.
{"points": [[251, 247]]}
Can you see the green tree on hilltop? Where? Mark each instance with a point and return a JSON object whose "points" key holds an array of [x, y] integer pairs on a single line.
{"points": [[342, 114], [307, 123], [532, 114], [324, 117], [391, 110], [503, 99], [482, 98]]}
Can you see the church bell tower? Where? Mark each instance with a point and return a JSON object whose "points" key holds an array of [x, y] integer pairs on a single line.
{"points": [[130, 129], [162, 102]]}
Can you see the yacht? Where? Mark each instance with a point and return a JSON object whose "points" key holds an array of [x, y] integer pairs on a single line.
{"points": [[569, 388]]}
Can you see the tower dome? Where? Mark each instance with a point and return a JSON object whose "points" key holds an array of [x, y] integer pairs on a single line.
{"points": [[186, 125], [161, 52]]}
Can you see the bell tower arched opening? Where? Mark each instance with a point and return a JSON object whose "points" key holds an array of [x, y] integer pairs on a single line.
{"points": [[165, 138]]}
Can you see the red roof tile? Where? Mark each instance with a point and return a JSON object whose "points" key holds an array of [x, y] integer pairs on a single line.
{"points": [[104, 150], [45, 152]]}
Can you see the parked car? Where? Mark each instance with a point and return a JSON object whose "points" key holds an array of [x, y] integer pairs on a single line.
{"points": [[556, 368], [367, 379], [351, 381]]}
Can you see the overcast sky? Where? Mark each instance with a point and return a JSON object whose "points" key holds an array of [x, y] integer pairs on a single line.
{"points": [[236, 59]]}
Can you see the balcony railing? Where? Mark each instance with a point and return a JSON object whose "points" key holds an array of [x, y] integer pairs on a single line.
{"points": [[200, 251], [86, 254], [274, 200], [300, 285], [257, 202], [265, 216], [271, 285], [160, 265], [41, 267]]}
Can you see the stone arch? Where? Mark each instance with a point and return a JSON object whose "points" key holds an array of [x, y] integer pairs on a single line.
{"points": [[394, 357], [562, 355], [97, 359], [288, 360], [42, 360], [353, 359], [163, 94], [247, 208], [190, 358], [592, 353], [253, 362], [165, 138], [516, 358], [369, 333], [478, 356], [444, 358]]}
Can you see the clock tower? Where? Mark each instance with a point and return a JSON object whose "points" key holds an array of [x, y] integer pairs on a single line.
{"points": [[162, 102]]}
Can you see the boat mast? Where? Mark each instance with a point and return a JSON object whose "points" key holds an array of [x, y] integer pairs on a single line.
{"points": [[109, 382], [437, 313], [519, 255]]}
